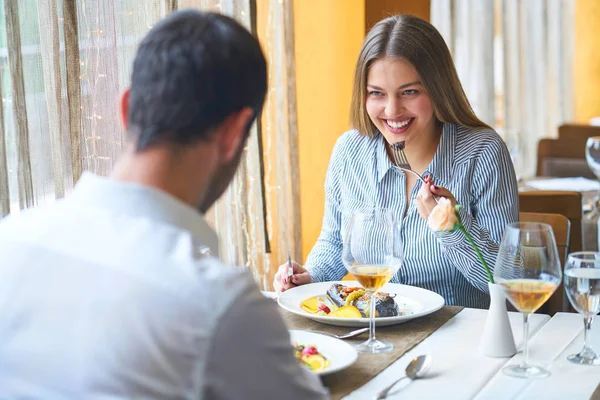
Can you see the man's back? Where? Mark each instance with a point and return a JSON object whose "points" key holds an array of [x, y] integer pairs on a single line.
{"points": [[107, 294]]}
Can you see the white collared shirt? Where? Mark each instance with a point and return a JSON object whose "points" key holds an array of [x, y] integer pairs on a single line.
{"points": [[106, 294]]}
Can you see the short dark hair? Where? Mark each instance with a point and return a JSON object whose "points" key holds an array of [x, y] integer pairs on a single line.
{"points": [[191, 71]]}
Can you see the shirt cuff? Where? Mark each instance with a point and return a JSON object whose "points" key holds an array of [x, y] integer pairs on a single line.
{"points": [[456, 237], [315, 273]]}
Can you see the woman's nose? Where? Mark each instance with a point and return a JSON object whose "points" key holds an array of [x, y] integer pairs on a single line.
{"points": [[393, 107]]}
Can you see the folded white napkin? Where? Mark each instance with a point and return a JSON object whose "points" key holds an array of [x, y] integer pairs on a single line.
{"points": [[271, 295], [578, 184]]}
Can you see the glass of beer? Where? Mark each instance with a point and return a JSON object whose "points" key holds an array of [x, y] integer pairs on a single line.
{"points": [[529, 270], [372, 253]]}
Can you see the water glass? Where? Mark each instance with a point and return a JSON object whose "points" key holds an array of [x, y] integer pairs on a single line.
{"points": [[582, 284]]}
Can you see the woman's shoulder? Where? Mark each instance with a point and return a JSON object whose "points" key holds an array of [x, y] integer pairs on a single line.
{"points": [[354, 143], [475, 142]]}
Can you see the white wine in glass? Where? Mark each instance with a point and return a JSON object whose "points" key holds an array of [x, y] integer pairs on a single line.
{"points": [[527, 295], [372, 253], [529, 270], [582, 284], [372, 277]]}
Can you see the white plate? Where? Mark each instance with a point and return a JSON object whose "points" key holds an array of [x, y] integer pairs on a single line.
{"points": [[419, 302], [339, 353]]}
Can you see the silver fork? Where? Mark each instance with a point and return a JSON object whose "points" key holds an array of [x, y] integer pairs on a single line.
{"points": [[402, 162], [347, 335]]}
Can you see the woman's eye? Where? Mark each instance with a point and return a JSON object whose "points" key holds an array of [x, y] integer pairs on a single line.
{"points": [[375, 93], [410, 92]]}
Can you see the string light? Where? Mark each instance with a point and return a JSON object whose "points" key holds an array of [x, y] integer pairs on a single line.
{"points": [[269, 166], [91, 151]]}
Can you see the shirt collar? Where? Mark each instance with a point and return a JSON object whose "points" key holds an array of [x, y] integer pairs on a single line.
{"points": [[384, 164], [144, 201], [441, 164]]}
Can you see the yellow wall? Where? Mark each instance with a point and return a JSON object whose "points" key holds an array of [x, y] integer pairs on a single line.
{"points": [[328, 36], [377, 10], [587, 60]]}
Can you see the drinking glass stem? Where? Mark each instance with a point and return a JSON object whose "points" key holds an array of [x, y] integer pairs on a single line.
{"points": [[372, 317], [587, 323], [525, 363]]}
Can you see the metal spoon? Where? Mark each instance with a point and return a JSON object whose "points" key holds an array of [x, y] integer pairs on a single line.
{"points": [[415, 369], [347, 335]]}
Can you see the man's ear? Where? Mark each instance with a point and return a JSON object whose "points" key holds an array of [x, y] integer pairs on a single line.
{"points": [[125, 109], [233, 133]]}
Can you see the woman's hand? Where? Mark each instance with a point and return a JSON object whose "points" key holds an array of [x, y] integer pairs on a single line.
{"points": [[425, 200], [281, 283]]}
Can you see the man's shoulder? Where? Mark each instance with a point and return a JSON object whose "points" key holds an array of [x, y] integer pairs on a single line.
{"points": [[212, 271], [29, 219], [221, 284]]}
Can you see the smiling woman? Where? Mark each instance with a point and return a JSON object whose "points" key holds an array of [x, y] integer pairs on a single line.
{"points": [[406, 89]]}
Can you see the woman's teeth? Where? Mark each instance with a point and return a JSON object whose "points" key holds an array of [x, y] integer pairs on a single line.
{"points": [[398, 124]]}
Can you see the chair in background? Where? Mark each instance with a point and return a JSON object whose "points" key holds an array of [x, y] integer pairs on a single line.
{"points": [[562, 158], [578, 132], [565, 203], [561, 226], [565, 155]]}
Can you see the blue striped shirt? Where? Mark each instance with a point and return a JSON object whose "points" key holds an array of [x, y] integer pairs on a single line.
{"points": [[474, 164]]}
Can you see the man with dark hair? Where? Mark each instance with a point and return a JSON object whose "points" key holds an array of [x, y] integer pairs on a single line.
{"points": [[110, 293]]}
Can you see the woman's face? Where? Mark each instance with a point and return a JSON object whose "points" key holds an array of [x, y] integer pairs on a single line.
{"points": [[397, 102]]}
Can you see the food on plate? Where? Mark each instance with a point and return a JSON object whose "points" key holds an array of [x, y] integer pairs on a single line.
{"points": [[350, 302], [385, 305], [346, 312], [311, 357]]}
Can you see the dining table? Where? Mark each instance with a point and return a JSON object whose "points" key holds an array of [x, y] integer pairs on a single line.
{"points": [[588, 188], [460, 370]]}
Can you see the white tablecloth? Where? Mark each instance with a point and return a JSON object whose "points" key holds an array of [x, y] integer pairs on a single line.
{"points": [[460, 372]]}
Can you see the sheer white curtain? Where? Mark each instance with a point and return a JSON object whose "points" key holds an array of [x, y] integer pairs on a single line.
{"points": [[514, 58], [63, 65]]}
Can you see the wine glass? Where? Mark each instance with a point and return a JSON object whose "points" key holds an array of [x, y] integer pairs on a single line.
{"points": [[582, 283], [528, 268], [372, 253], [590, 219], [592, 156]]}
